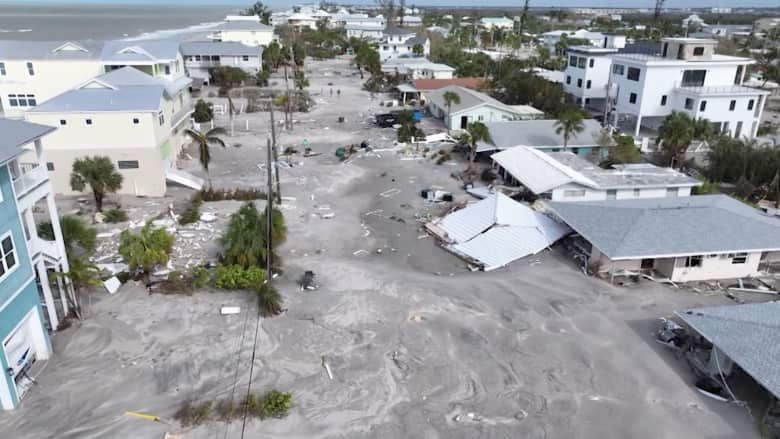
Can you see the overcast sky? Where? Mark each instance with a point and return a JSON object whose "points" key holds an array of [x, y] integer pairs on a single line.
{"points": [[537, 3]]}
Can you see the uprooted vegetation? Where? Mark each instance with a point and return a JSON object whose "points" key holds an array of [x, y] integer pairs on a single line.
{"points": [[272, 404]]}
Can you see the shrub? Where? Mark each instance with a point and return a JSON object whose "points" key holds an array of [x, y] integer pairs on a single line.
{"points": [[269, 300], [200, 277], [250, 405], [116, 215], [226, 410], [244, 239], [192, 213], [275, 404], [210, 194], [146, 249], [190, 414], [177, 283], [236, 277], [203, 112]]}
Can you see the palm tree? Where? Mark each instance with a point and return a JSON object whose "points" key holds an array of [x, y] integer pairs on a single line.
{"points": [[204, 140], [450, 98], [677, 132], [476, 132], [97, 172], [569, 122]]}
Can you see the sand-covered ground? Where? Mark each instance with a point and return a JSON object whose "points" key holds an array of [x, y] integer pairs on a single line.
{"points": [[419, 346]]}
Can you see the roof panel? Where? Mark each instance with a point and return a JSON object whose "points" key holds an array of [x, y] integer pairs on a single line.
{"points": [[16, 134]]}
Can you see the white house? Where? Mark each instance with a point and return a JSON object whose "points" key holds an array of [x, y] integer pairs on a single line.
{"points": [[474, 106], [32, 72], [417, 68], [368, 31], [540, 134], [202, 56], [550, 39], [699, 238], [400, 43], [251, 33], [565, 176], [687, 77], [302, 20], [587, 74], [135, 119], [497, 23], [412, 21]]}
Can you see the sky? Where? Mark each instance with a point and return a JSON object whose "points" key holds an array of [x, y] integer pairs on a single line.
{"points": [[516, 3]]}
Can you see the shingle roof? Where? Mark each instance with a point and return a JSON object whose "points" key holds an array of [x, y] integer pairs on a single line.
{"points": [[397, 31], [224, 48], [468, 99], [540, 134], [125, 89], [671, 226], [748, 334], [245, 25], [151, 50], [17, 133], [146, 50]]}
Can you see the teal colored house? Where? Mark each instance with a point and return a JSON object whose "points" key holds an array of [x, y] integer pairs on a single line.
{"points": [[24, 339]]}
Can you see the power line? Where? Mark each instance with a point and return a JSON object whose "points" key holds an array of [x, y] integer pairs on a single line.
{"points": [[238, 365]]}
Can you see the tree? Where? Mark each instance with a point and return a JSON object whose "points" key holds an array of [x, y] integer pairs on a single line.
{"points": [[203, 112], [261, 11], [244, 241], [387, 7], [418, 49], [476, 132], [524, 17], [272, 56], [624, 150], [408, 130], [144, 250], [569, 122], [450, 98], [204, 140], [300, 80], [99, 174], [676, 133], [228, 78]]}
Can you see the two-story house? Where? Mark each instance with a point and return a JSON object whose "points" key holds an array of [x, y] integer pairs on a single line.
{"points": [[249, 32], [690, 77], [135, 119], [32, 72], [200, 57], [402, 43], [25, 261]]}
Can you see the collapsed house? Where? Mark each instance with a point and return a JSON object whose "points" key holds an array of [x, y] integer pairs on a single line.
{"points": [[495, 231], [684, 239]]}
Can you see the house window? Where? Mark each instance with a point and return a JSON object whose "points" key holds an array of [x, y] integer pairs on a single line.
{"points": [[30, 69], [581, 62], [591, 62], [637, 192], [663, 100], [702, 105], [671, 192], [7, 254], [611, 194], [632, 98], [633, 74], [135, 121], [2, 69], [694, 78], [688, 104], [245, 57], [568, 79], [738, 130], [693, 261], [12, 101], [49, 166], [88, 121], [750, 104], [161, 118], [63, 122], [698, 51], [573, 61], [574, 193], [587, 84], [618, 69], [579, 82], [738, 258], [732, 105], [197, 57], [127, 164]]}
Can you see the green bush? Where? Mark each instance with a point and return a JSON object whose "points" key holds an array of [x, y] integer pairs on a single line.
{"points": [[146, 249], [192, 214], [275, 404], [236, 277], [239, 194], [190, 414], [116, 215], [203, 112], [177, 283], [200, 277], [269, 300]]}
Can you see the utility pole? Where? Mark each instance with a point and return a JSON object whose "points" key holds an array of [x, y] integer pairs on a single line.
{"points": [[659, 5], [270, 221], [275, 154], [523, 18]]}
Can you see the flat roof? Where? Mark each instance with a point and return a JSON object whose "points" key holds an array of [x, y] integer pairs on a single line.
{"points": [[671, 226], [16, 134], [747, 334], [657, 59], [541, 134]]}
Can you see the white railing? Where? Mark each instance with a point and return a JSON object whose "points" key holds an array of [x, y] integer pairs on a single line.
{"points": [[43, 247], [32, 176]]}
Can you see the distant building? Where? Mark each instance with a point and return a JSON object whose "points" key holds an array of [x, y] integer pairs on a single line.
{"points": [[367, 31], [766, 24], [720, 10], [412, 21], [474, 106], [566, 176], [200, 57], [400, 43], [550, 39], [497, 23], [417, 68], [251, 33]]}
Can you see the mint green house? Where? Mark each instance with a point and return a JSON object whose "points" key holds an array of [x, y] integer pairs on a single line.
{"points": [[24, 339]]}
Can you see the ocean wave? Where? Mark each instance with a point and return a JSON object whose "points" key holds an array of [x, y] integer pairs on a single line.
{"points": [[24, 30], [166, 33]]}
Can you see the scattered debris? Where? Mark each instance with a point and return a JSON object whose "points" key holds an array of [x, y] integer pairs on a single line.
{"points": [[390, 192], [229, 310], [306, 281], [327, 367], [112, 285]]}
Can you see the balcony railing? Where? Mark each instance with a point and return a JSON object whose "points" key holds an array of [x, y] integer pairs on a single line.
{"points": [[32, 176], [41, 247], [717, 90]]}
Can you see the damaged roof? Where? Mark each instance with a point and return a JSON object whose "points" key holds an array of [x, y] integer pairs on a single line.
{"points": [[670, 227], [496, 231], [747, 334]]}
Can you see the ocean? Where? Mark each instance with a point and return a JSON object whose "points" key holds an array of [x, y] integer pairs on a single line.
{"points": [[41, 22]]}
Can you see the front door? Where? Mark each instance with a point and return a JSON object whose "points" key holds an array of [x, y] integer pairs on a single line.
{"points": [[464, 122]]}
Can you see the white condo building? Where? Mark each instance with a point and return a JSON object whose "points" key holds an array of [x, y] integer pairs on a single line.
{"points": [[400, 43], [688, 77]]}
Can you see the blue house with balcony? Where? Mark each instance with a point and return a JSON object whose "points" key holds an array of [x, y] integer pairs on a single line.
{"points": [[24, 338]]}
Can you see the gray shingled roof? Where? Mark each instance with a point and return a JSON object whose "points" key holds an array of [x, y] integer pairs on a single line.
{"points": [[468, 99], [221, 48], [397, 31], [748, 334], [417, 39], [148, 50], [125, 89], [17, 133], [540, 134], [671, 226], [244, 25]]}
